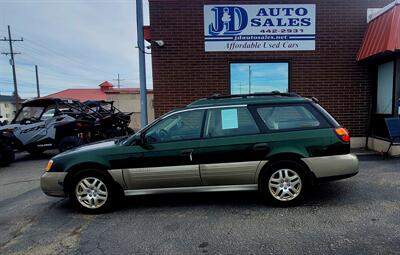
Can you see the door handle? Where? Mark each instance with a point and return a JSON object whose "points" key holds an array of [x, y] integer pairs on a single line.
{"points": [[188, 153], [260, 147]]}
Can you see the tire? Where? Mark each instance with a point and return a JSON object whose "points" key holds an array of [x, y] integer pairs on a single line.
{"points": [[130, 131], [35, 151], [6, 154], [69, 142], [101, 197], [284, 183], [112, 133]]}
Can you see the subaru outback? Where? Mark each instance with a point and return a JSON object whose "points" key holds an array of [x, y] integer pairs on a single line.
{"points": [[276, 143]]}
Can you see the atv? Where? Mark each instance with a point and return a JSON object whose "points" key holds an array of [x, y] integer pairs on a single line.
{"points": [[110, 122], [48, 123]]}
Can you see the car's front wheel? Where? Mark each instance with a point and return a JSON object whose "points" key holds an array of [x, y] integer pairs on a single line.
{"points": [[92, 191], [284, 183], [6, 154]]}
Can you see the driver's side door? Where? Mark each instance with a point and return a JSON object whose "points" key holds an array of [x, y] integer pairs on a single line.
{"points": [[31, 132], [170, 154]]}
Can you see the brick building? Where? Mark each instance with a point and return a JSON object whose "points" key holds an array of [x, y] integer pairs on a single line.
{"points": [[319, 48]]}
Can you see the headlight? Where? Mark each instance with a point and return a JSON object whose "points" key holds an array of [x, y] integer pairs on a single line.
{"points": [[49, 164]]}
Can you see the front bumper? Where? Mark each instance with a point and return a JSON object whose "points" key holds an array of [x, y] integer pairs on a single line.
{"points": [[52, 183], [333, 166]]}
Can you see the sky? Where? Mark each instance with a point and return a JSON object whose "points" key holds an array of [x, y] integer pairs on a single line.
{"points": [[75, 43], [265, 77]]}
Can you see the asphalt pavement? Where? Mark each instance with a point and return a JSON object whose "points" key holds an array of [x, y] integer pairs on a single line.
{"points": [[360, 215]]}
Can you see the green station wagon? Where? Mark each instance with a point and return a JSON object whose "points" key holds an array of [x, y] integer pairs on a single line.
{"points": [[276, 143]]}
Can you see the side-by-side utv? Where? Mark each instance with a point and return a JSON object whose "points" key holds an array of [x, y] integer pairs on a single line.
{"points": [[49, 123], [43, 124], [111, 121]]}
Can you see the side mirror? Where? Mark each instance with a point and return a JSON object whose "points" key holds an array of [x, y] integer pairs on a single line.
{"points": [[136, 141], [144, 143], [142, 139], [139, 140]]}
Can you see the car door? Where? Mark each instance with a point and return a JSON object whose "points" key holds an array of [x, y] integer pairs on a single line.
{"points": [[169, 153], [231, 150]]}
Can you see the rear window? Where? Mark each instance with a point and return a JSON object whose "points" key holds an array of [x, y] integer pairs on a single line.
{"points": [[286, 117], [328, 116]]}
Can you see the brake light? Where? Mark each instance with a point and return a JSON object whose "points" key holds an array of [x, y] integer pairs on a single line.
{"points": [[343, 134]]}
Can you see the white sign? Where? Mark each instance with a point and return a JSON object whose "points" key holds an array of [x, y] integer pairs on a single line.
{"points": [[229, 118], [266, 27]]}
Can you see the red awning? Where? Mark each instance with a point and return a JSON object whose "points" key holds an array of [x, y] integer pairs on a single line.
{"points": [[383, 34]]}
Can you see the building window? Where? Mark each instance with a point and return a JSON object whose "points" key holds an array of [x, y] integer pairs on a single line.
{"points": [[384, 96], [250, 78]]}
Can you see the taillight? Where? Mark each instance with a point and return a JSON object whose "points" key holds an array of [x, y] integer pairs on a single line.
{"points": [[343, 134]]}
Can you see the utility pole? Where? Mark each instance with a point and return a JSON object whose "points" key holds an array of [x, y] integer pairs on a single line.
{"points": [[142, 63], [118, 79], [37, 81], [12, 62]]}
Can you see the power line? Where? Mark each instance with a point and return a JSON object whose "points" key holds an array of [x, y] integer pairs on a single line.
{"points": [[12, 62], [40, 49], [81, 67]]}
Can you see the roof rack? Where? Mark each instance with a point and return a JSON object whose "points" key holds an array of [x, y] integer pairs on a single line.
{"points": [[273, 93]]}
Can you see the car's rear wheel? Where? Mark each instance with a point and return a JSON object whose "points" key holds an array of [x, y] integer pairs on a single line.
{"points": [[69, 142], [113, 132], [284, 183], [91, 191]]}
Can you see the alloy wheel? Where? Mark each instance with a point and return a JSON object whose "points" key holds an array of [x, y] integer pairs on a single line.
{"points": [[285, 184], [91, 192]]}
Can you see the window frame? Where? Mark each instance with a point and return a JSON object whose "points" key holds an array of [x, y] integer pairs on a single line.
{"points": [[264, 61], [315, 112], [204, 137]]}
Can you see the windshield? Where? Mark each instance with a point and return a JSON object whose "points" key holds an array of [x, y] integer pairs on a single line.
{"points": [[29, 113], [137, 134]]}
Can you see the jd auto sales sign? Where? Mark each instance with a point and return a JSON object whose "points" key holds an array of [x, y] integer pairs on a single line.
{"points": [[267, 27]]}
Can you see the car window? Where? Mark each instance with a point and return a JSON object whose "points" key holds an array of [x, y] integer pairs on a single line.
{"points": [[230, 122], [288, 117], [179, 126]]}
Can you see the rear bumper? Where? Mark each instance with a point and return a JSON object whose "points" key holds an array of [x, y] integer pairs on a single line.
{"points": [[52, 183], [333, 167]]}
